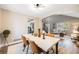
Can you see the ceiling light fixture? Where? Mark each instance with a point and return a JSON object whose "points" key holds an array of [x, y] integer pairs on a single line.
{"points": [[38, 5]]}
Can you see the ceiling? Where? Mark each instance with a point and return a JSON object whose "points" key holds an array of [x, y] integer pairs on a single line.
{"points": [[47, 10]]}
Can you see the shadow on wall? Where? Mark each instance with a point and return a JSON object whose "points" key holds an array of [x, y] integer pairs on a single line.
{"points": [[2, 40], [3, 50]]}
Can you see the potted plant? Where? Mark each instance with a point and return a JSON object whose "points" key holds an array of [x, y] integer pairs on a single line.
{"points": [[6, 34]]}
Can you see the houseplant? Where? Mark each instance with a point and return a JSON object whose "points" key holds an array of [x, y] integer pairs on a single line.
{"points": [[6, 34]]}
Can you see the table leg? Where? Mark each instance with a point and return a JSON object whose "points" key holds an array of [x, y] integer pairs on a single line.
{"points": [[47, 52], [57, 48]]}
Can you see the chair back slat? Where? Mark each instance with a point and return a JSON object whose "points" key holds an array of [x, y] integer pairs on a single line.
{"points": [[25, 40], [35, 48]]}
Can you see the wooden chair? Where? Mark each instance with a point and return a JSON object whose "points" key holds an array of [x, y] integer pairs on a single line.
{"points": [[35, 48], [25, 43], [50, 35], [61, 49], [61, 34]]}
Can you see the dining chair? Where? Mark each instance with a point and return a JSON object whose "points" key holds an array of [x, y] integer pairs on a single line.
{"points": [[25, 43], [35, 48], [61, 34], [61, 49], [50, 35]]}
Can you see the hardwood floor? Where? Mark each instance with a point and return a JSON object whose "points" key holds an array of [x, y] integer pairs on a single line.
{"points": [[4, 50], [69, 48]]}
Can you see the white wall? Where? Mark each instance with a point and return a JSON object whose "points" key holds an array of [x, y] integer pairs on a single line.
{"points": [[15, 22], [0, 20]]}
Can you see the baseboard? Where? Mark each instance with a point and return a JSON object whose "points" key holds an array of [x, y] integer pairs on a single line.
{"points": [[11, 43]]}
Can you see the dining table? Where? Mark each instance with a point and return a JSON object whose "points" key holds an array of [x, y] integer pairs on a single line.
{"points": [[45, 44]]}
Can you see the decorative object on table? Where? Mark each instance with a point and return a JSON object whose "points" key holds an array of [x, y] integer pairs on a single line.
{"points": [[39, 33], [43, 34], [6, 34]]}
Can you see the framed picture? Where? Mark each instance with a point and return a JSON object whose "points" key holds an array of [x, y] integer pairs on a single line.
{"points": [[30, 26]]}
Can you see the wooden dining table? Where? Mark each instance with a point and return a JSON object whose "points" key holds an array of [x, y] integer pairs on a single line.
{"points": [[45, 44]]}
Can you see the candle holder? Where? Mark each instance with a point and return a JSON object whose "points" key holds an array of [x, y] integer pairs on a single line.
{"points": [[43, 35], [39, 33]]}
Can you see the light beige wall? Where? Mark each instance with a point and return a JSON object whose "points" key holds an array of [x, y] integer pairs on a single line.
{"points": [[38, 24], [15, 22], [0, 20]]}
